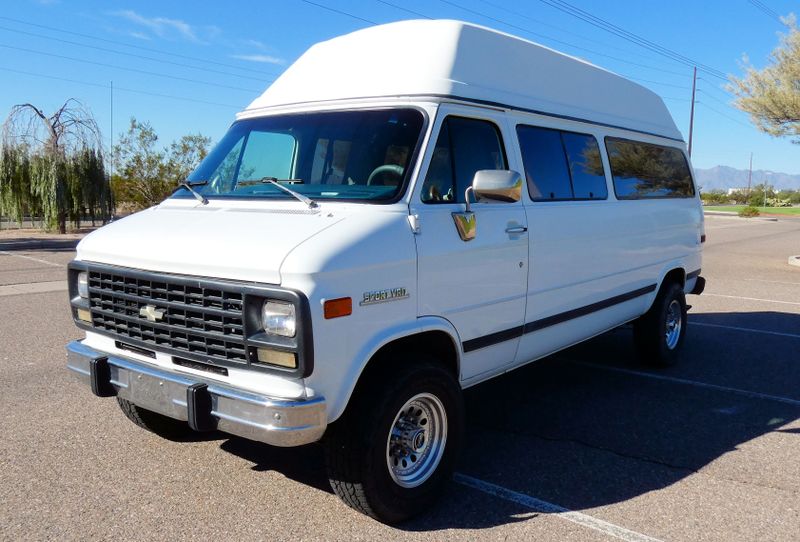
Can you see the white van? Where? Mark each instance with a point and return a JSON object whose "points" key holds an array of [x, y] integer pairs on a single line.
{"points": [[407, 211]]}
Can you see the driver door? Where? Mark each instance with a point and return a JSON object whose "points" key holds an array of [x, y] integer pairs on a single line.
{"points": [[479, 285]]}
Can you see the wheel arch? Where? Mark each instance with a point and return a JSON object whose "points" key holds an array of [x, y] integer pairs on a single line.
{"points": [[429, 334], [672, 272]]}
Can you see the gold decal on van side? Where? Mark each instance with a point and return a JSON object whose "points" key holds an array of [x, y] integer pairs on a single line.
{"points": [[382, 296]]}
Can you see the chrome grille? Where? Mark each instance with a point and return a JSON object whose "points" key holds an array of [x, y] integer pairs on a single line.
{"points": [[201, 319]]}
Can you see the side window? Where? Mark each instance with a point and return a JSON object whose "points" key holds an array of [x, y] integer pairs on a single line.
{"points": [[561, 165], [585, 166], [545, 164], [464, 146], [222, 180], [644, 170]]}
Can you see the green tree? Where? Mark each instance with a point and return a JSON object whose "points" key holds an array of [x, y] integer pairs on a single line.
{"points": [[147, 174], [184, 155], [52, 165], [759, 194], [771, 96]]}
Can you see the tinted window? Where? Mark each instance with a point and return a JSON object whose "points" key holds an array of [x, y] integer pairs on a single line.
{"points": [[464, 146], [561, 165], [644, 170], [545, 166], [585, 166]]}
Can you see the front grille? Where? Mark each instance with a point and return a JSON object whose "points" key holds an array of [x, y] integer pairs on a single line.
{"points": [[200, 319]]}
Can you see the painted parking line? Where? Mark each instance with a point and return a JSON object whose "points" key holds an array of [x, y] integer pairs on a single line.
{"points": [[6, 253], [752, 299], [748, 330], [545, 507], [775, 282], [33, 288], [674, 380]]}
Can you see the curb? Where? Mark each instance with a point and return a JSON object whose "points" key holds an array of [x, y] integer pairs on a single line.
{"points": [[794, 260], [736, 215]]}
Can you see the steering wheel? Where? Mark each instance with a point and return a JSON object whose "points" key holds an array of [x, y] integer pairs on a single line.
{"points": [[390, 169]]}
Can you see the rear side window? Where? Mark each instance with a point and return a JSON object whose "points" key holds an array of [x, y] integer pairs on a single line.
{"points": [[464, 147], [643, 170], [561, 165]]}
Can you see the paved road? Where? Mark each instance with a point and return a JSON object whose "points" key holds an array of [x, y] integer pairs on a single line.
{"points": [[585, 445]]}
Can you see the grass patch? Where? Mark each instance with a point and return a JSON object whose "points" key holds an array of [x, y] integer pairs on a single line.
{"points": [[790, 211]]}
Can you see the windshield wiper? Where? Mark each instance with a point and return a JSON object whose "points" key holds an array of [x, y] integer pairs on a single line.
{"points": [[277, 183], [197, 195]]}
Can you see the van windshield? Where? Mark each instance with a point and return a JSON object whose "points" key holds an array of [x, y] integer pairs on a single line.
{"points": [[351, 155]]}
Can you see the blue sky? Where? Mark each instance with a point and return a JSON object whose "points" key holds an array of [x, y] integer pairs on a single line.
{"points": [[187, 67]]}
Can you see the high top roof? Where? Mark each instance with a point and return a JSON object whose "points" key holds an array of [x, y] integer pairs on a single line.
{"points": [[462, 60]]}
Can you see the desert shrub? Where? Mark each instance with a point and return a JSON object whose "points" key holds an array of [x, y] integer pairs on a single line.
{"points": [[749, 211]]}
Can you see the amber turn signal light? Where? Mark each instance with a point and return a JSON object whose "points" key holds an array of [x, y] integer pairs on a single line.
{"points": [[335, 308]]}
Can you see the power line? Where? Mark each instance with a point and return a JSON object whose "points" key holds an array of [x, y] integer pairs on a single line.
{"points": [[401, 8], [117, 88], [766, 10], [135, 70], [708, 95], [575, 34], [716, 88], [718, 112], [662, 83], [162, 61], [139, 47], [340, 12], [620, 32]]}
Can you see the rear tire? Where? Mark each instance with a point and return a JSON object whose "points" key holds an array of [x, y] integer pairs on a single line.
{"points": [[159, 424], [393, 451], [659, 333]]}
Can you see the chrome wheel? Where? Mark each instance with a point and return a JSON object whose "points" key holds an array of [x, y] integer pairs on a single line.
{"points": [[674, 321], [417, 440]]}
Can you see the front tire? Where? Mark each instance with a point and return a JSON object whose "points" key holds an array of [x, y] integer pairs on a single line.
{"points": [[159, 424], [659, 333], [394, 450]]}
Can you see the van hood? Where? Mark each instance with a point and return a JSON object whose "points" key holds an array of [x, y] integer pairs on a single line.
{"points": [[246, 244]]}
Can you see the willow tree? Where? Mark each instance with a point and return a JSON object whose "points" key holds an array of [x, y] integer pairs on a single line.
{"points": [[52, 165], [771, 96]]}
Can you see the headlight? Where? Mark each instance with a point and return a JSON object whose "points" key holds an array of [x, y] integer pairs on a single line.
{"points": [[278, 318], [83, 285]]}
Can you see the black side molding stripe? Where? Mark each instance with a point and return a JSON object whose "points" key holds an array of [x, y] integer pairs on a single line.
{"points": [[536, 325], [693, 274], [493, 338]]}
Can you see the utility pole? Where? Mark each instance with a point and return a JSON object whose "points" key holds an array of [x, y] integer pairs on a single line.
{"points": [[691, 115], [750, 175], [111, 150]]}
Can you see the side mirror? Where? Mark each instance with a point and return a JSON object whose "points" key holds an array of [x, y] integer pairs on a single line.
{"points": [[487, 185], [497, 185]]}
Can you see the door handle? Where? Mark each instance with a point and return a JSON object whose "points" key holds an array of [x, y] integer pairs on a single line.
{"points": [[516, 229]]}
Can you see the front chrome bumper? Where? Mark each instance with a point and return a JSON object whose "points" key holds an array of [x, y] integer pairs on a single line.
{"points": [[204, 405]]}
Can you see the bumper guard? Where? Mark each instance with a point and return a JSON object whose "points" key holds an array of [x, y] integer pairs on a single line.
{"points": [[204, 405]]}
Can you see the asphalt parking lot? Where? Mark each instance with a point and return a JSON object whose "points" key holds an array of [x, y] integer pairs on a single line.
{"points": [[584, 445]]}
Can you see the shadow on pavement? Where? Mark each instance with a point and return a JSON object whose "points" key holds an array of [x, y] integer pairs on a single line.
{"points": [[304, 464], [587, 435]]}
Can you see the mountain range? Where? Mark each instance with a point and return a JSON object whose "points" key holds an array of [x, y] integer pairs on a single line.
{"points": [[724, 177]]}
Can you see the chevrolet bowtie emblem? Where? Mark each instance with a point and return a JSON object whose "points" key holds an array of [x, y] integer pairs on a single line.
{"points": [[152, 313]]}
